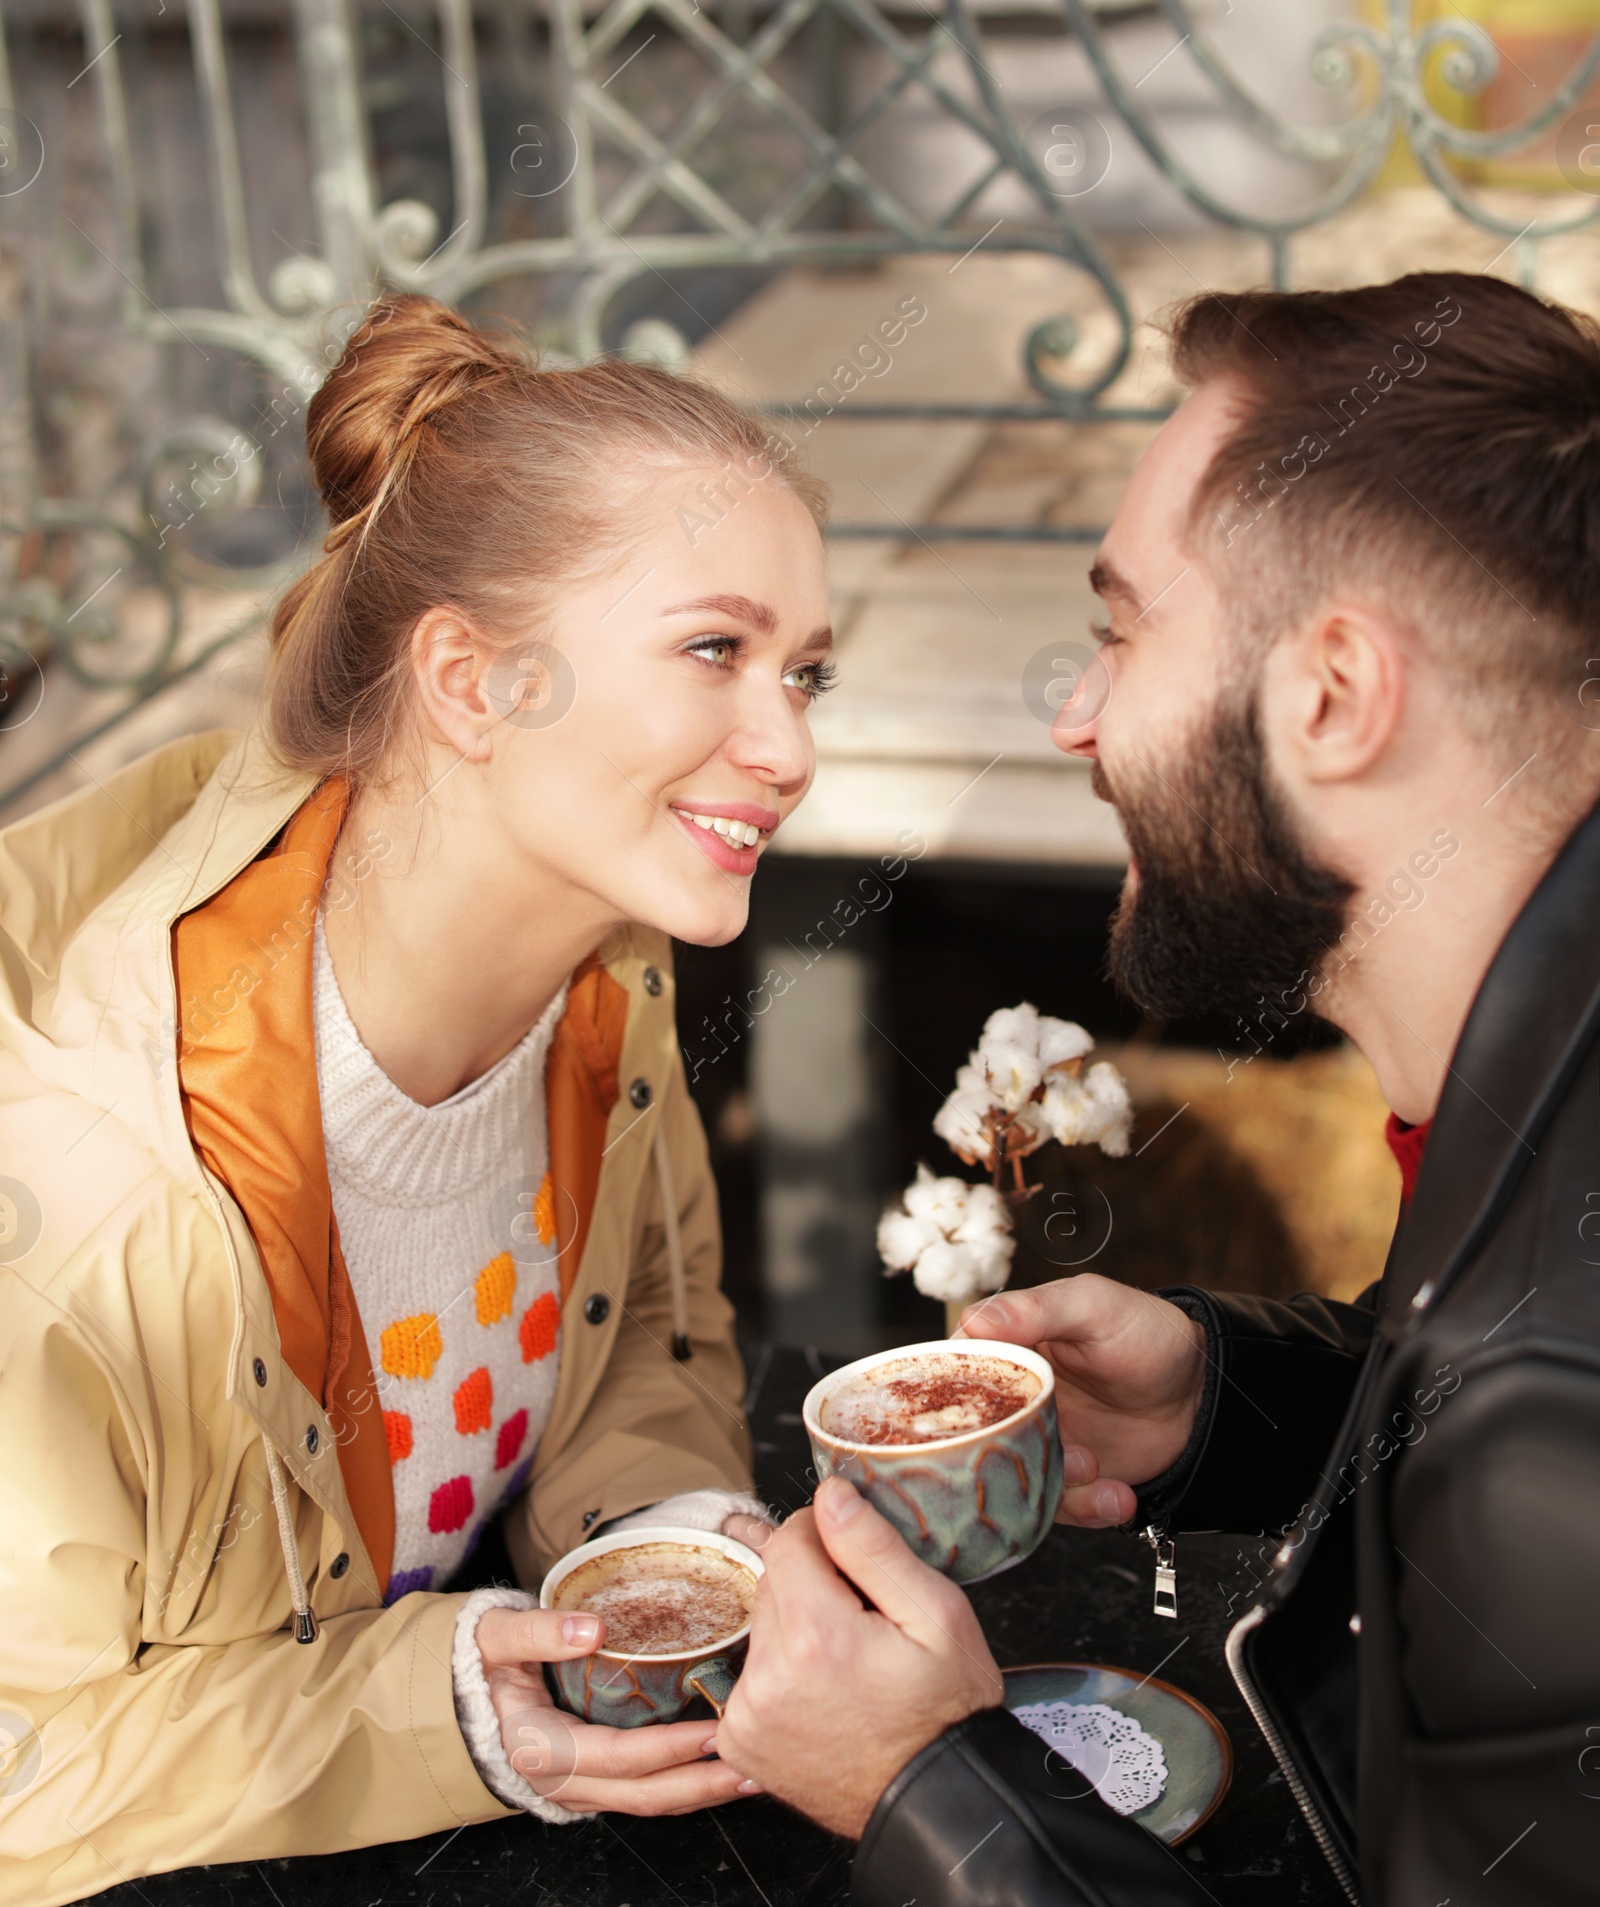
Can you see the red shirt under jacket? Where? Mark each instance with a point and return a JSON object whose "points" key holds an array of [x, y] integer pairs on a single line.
{"points": [[1406, 1143]]}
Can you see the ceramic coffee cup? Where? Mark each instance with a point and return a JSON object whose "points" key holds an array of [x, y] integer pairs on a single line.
{"points": [[626, 1691], [971, 1504]]}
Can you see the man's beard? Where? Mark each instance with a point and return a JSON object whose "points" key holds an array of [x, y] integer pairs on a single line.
{"points": [[1230, 914]]}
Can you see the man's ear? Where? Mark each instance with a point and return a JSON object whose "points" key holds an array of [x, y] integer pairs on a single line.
{"points": [[450, 663], [1333, 695]]}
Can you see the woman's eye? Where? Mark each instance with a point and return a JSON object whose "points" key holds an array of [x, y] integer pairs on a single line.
{"points": [[720, 651], [811, 679]]}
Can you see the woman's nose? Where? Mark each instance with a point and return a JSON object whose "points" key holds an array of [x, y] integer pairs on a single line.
{"points": [[773, 742]]}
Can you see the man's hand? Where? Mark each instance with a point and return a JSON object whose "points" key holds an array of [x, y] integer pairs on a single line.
{"points": [[1130, 1369], [586, 1768], [835, 1698]]}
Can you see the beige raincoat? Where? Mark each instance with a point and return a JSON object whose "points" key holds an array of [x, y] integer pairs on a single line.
{"points": [[192, 1461]]}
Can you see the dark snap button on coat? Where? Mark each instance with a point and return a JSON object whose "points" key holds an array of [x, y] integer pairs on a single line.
{"points": [[597, 1309], [639, 1093], [339, 1565]]}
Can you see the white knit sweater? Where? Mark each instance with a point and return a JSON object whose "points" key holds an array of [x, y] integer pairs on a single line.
{"points": [[445, 1220], [463, 1316]]}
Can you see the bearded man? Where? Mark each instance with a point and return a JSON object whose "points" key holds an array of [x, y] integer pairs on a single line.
{"points": [[1347, 719]]}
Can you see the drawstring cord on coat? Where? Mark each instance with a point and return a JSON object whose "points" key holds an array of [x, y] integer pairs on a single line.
{"points": [[305, 1622], [677, 1283]]}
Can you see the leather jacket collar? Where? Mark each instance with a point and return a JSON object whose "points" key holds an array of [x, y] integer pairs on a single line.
{"points": [[1535, 1015]]}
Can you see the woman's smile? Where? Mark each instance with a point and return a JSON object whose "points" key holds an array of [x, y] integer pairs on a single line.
{"points": [[729, 833]]}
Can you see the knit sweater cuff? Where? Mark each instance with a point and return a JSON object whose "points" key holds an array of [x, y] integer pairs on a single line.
{"points": [[694, 1510], [480, 1726]]}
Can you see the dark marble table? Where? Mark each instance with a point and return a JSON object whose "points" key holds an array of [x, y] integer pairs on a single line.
{"points": [[1085, 1596]]}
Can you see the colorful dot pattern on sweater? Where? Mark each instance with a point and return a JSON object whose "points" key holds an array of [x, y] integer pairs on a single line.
{"points": [[414, 1347], [539, 1329], [495, 1288], [508, 1445], [411, 1346], [474, 1402], [457, 1298], [450, 1505], [544, 1211], [397, 1429], [405, 1581]]}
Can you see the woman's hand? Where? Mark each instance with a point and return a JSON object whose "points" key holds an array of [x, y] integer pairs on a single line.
{"points": [[662, 1769], [1130, 1369], [753, 1531]]}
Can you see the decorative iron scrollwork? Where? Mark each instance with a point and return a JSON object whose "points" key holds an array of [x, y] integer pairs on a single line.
{"points": [[126, 631]]}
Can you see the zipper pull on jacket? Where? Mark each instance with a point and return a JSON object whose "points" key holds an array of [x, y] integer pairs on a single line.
{"points": [[1166, 1551]]}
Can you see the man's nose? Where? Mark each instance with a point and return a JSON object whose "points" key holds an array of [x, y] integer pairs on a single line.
{"points": [[1072, 735], [1081, 700]]}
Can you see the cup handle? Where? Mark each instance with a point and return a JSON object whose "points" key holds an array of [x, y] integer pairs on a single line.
{"points": [[714, 1680]]}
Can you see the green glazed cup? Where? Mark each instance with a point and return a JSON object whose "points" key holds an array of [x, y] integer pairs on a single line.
{"points": [[969, 1505], [628, 1691]]}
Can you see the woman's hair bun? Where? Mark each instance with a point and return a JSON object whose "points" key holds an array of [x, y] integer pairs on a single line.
{"points": [[458, 474], [410, 358]]}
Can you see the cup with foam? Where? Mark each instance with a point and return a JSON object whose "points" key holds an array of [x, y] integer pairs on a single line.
{"points": [[676, 1604], [955, 1442]]}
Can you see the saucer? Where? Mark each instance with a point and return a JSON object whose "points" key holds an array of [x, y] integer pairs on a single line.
{"points": [[1198, 1753]]}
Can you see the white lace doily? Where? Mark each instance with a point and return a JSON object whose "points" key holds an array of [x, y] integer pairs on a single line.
{"points": [[1106, 1747]]}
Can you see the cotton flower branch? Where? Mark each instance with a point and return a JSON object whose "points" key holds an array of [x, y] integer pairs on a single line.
{"points": [[1024, 1083], [954, 1238]]}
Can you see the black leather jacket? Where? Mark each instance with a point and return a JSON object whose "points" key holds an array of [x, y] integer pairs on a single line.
{"points": [[1424, 1654]]}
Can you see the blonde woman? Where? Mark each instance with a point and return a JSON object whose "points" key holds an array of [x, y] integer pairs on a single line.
{"points": [[355, 1195]]}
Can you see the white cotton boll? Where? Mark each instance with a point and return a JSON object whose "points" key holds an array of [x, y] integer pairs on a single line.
{"points": [[985, 1211], [961, 1123], [954, 1238], [974, 1076], [1014, 1073], [1012, 1026], [903, 1239], [974, 1086], [950, 1205], [919, 1196], [1061, 1041], [948, 1273], [1108, 1094], [1094, 1109], [1065, 1110], [939, 1203], [1028, 1131], [993, 1255], [986, 1232]]}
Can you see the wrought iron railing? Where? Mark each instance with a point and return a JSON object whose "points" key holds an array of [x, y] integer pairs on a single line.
{"points": [[68, 571]]}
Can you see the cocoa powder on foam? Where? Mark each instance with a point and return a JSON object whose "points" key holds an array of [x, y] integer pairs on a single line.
{"points": [[661, 1598], [882, 1407]]}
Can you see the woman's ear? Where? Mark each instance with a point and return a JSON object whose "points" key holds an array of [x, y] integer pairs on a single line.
{"points": [[1333, 695], [450, 664]]}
